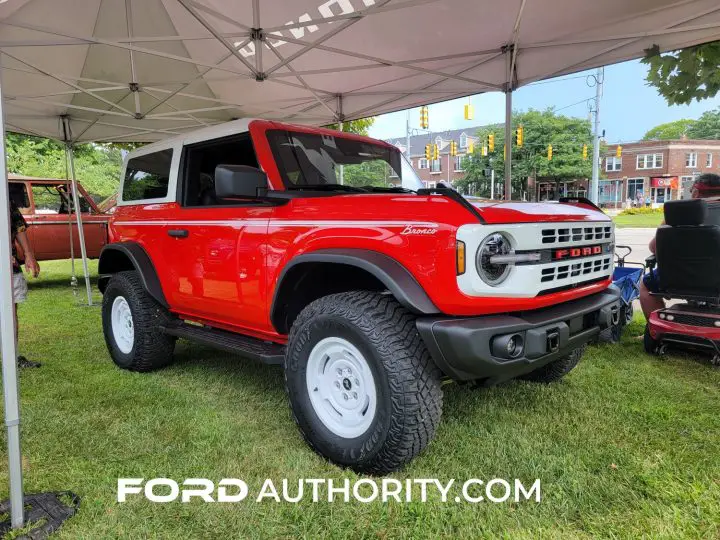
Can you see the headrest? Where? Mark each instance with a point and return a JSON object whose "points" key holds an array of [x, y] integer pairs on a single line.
{"points": [[689, 212], [692, 212]]}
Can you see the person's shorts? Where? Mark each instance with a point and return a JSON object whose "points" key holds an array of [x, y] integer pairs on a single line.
{"points": [[652, 280], [20, 288]]}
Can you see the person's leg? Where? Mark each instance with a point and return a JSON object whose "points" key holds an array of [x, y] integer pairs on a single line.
{"points": [[19, 295], [648, 302]]}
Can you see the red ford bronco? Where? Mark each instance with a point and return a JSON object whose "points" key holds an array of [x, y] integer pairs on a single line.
{"points": [[244, 236]]}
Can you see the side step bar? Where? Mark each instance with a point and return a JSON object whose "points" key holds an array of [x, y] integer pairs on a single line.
{"points": [[253, 348]]}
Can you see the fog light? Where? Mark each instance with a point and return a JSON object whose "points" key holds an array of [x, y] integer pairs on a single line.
{"points": [[515, 346], [662, 316], [671, 317], [509, 346]]}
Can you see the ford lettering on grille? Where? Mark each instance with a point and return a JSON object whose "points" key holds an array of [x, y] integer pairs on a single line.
{"points": [[576, 253]]}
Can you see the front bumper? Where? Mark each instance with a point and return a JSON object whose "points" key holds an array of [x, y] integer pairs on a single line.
{"points": [[468, 348], [691, 327]]}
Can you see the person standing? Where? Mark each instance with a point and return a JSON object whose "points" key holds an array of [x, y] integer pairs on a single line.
{"points": [[18, 227]]}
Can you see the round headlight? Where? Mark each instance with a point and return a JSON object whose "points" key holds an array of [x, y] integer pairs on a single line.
{"points": [[494, 244]]}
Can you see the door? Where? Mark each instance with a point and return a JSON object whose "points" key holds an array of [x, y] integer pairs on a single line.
{"points": [[217, 247], [53, 222]]}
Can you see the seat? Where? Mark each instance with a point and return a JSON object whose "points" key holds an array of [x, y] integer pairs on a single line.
{"points": [[207, 190], [688, 251]]}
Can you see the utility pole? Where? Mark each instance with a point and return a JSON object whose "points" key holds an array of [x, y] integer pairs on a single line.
{"points": [[594, 184], [492, 182], [407, 136]]}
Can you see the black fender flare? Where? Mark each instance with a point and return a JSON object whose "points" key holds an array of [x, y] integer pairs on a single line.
{"points": [[141, 263], [398, 279]]}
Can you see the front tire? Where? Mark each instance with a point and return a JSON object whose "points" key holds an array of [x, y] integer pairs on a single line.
{"points": [[363, 389], [557, 369], [131, 321]]}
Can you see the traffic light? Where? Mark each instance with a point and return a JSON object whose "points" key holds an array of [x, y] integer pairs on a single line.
{"points": [[484, 151], [618, 151], [428, 152], [491, 142], [549, 152], [469, 112], [453, 148], [584, 151], [470, 147], [520, 136], [436, 152], [424, 119]]}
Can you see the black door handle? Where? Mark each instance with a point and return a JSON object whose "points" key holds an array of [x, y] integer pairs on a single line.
{"points": [[178, 233]]}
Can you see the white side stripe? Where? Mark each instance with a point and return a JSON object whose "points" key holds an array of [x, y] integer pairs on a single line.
{"points": [[280, 223]]}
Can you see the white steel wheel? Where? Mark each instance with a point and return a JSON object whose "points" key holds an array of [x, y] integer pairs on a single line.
{"points": [[122, 324], [341, 387]]}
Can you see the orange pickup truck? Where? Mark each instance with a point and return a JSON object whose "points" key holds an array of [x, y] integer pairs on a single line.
{"points": [[46, 204]]}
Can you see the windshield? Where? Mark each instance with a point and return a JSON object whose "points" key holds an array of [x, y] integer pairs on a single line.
{"points": [[307, 160]]}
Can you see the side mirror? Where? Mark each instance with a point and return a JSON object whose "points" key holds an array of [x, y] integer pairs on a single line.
{"points": [[239, 181]]}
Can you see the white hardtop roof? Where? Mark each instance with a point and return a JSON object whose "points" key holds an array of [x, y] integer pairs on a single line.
{"points": [[145, 70], [234, 127]]}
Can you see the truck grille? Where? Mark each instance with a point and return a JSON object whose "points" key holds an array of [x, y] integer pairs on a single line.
{"points": [[562, 235], [693, 320], [573, 270]]}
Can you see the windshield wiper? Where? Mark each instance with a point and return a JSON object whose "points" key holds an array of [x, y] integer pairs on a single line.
{"points": [[329, 187], [383, 189]]}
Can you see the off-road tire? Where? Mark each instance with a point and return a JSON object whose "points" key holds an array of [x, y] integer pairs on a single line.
{"points": [[613, 334], [557, 369], [650, 344], [407, 382], [151, 349]]}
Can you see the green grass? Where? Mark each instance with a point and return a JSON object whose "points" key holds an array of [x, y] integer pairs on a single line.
{"points": [[626, 446], [639, 220]]}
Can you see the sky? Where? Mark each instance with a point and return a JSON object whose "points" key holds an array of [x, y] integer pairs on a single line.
{"points": [[628, 107]]}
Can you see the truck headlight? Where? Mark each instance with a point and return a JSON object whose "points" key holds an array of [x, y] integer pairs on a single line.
{"points": [[493, 273]]}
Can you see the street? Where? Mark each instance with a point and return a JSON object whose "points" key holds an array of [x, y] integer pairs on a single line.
{"points": [[637, 239]]}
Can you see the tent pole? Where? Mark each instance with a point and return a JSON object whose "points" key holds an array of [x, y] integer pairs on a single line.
{"points": [[78, 218], [73, 277], [9, 354], [508, 144], [508, 124]]}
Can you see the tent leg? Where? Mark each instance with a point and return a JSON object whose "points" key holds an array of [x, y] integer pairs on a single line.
{"points": [[78, 217], [9, 354], [508, 145]]}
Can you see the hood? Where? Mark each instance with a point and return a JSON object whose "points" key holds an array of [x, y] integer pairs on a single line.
{"points": [[528, 212]]}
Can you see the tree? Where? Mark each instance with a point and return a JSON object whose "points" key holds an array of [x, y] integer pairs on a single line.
{"points": [[706, 127], [669, 130], [359, 127], [687, 74], [96, 167], [567, 135]]}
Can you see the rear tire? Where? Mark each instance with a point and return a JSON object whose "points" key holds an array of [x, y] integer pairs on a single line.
{"points": [[398, 395], [131, 321], [555, 370], [651, 345]]}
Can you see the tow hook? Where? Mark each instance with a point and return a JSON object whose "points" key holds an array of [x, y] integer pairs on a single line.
{"points": [[553, 341]]}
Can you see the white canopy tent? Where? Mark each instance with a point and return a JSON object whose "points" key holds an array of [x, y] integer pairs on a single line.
{"points": [[142, 70]]}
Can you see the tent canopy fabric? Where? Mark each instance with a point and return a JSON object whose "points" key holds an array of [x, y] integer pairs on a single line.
{"points": [[143, 70]]}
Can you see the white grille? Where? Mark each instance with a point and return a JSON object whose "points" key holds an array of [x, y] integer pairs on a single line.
{"points": [[529, 280], [564, 234], [576, 271]]}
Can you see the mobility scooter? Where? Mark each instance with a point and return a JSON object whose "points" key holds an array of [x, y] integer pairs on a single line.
{"points": [[688, 262]]}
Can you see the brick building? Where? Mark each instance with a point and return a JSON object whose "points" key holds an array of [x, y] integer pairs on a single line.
{"points": [[662, 170], [448, 168]]}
